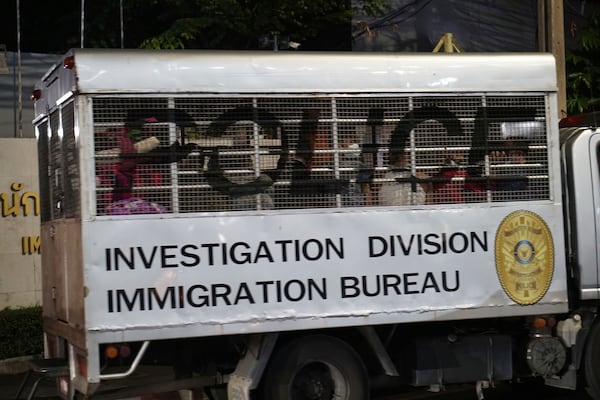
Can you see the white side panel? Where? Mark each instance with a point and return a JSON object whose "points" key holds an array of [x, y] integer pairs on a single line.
{"points": [[241, 274]]}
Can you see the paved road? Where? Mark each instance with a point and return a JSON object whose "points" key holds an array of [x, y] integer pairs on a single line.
{"points": [[503, 391], [530, 391]]}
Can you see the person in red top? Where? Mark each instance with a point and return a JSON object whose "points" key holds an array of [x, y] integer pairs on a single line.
{"points": [[136, 155], [449, 183]]}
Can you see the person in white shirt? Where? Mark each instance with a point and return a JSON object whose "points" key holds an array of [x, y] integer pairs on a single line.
{"points": [[401, 186]]}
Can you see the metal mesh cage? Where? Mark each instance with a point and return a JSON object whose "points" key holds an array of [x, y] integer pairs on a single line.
{"points": [[43, 167], [71, 162], [212, 154], [55, 171], [58, 157]]}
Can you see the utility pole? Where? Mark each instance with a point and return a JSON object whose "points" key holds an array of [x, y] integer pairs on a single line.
{"points": [[82, 23], [551, 39], [19, 132], [121, 23]]}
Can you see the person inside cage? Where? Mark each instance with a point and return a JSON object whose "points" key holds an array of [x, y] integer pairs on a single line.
{"points": [[401, 186], [245, 189], [508, 179], [313, 183], [514, 156], [448, 184], [135, 154]]}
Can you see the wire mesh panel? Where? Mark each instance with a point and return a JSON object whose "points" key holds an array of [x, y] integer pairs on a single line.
{"points": [[70, 149], [43, 168], [56, 167], [58, 159], [213, 154]]}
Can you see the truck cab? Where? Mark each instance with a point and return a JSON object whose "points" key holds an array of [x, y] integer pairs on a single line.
{"points": [[580, 153]]}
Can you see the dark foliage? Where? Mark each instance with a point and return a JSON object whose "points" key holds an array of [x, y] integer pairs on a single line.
{"points": [[52, 27], [20, 332], [583, 70]]}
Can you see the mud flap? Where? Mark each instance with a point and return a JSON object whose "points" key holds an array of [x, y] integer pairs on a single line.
{"points": [[250, 368]]}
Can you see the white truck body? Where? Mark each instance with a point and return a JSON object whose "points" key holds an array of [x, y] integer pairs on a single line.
{"points": [[220, 263]]}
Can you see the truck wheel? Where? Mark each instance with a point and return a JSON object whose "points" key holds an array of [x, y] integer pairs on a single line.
{"points": [[316, 368], [592, 362]]}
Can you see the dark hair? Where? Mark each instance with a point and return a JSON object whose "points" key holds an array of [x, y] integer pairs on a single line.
{"points": [[308, 130], [395, 154]]}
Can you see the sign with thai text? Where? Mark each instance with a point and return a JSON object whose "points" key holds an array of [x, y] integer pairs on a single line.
{"points": [[20, 247]]}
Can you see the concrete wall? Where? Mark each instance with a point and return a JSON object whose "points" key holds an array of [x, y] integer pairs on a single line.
{"points": [[20, 261]]}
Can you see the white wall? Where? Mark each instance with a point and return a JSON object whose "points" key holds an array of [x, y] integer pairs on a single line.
{"points": [[20, 265]]}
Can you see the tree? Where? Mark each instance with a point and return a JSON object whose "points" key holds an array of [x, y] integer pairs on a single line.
{"points": [[238, 24], [168, 24], [583, 70]]}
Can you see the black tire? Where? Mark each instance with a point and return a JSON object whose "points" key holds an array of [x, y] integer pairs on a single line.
{"points": [[316, 367], [592, 362], [78, 396]]}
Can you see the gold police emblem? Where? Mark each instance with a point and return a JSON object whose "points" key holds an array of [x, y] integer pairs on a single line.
{"points": [[524, 256]]}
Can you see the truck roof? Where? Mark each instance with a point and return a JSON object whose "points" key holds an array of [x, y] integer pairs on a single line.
{"points": [[199, 71]]}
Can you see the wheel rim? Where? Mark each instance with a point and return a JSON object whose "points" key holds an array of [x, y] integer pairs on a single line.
{"points": [[318, 381]]}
